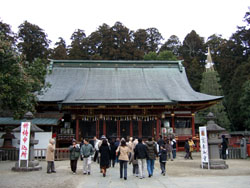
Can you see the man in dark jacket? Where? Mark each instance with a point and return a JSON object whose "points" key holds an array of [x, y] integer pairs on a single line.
{"points": [[74, 150], [152, 153], [141, 155], [224, 147], [186, 147], [160, 142]]}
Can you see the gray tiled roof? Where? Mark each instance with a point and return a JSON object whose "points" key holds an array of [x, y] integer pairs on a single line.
{"points": [[37, 121], [120, 82]]}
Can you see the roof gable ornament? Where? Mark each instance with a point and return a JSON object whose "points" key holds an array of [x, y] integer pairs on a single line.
{"points": [[209, 62], [180, 66]]}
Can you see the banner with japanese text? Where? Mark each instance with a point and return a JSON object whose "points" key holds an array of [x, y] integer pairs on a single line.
{"points": [[203, 144], [24, 141]]}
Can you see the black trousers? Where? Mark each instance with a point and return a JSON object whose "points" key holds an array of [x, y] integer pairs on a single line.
{"points": [[73, 165]]}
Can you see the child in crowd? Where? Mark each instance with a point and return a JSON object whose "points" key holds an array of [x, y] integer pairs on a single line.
{"points": [[163, 159]]}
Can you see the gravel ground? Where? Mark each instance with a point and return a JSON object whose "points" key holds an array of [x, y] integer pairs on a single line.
{"points": [[177, 171]]}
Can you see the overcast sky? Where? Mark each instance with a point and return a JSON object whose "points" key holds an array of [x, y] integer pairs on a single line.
{"points": [[60, 18]]}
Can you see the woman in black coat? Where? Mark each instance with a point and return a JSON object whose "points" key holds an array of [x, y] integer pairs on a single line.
{"points": [[105, 156], [112, 153]]}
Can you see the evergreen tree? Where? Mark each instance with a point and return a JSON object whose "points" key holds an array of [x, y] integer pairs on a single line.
{"points": [[60, 50], [164, 55], [19, 79], [79, 47], [33, 41], [210, 84], [245, 105], [173, 44], [150, 56]]}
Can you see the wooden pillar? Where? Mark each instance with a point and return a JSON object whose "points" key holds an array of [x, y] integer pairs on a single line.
{"points": [[193, 126], [118, 129], [97, 128], [104, 128], [131, 128], [153, 129], [140, 128], [77, 129], [172, 122], [157, 128]]}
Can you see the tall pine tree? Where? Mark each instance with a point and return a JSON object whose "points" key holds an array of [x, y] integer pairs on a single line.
{"points": [[210, 84]]}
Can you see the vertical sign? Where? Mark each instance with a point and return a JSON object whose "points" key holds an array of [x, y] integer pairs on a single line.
{"points": [[203, 145], [24, 142]]}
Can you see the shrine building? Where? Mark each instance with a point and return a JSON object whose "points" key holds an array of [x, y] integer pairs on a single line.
{"points": [[121, 99]]}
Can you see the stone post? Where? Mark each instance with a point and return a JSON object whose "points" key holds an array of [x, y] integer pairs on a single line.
{"points": [[213, 131]]}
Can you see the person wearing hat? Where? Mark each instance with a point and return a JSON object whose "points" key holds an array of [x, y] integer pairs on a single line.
{"points": [[74, 150]]}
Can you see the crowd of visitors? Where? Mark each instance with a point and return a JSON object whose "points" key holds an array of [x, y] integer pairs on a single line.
{"points": [[107, 152]]}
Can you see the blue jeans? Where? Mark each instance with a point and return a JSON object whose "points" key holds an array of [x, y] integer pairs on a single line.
{"points": [[174, 153], [123, 165], [150, 166]]}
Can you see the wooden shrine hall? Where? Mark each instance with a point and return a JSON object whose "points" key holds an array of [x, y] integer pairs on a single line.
{"points": [[122, 98]]}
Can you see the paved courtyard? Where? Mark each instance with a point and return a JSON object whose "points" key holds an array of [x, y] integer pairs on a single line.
{"points": [[180, 173]]}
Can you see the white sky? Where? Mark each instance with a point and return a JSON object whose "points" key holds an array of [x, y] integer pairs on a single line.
{"points": [[60, 18]]}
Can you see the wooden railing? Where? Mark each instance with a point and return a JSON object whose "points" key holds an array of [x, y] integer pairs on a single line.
{"points": [[63, 154], [39, 154]]}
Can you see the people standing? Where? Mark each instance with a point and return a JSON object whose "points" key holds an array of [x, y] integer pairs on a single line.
{"points": [[141, 155], [151, 156], [186, 147], [117, 144], [169, 149], [224, 147], [96, 147], [113, 149], [82, 142], [134, 161], [160, 142], [123, 158], [50, 156], [163, 159], [74, 150], [86, 152], [130, 145], [173, 143], [104, 151], [191, 147]]}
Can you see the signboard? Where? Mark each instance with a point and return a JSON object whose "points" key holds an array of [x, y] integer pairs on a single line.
{"points": [[204, 145], [24, 142]]}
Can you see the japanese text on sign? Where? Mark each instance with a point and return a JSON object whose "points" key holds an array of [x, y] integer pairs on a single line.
{"points": [[24, 141], [203, 144]]}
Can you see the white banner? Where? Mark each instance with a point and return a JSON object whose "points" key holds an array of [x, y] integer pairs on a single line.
{"points": [[203, 145], [24, 141]]}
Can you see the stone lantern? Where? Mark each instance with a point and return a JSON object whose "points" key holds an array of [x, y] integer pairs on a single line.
{"points": [[7, 142], [213, 132], [33, 165]]}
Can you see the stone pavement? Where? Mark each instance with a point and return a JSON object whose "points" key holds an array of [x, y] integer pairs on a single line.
{"points": [[180, 173]]}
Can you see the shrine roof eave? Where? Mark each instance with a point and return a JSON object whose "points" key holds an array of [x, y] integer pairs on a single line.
{"points": [[120, 83]]}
